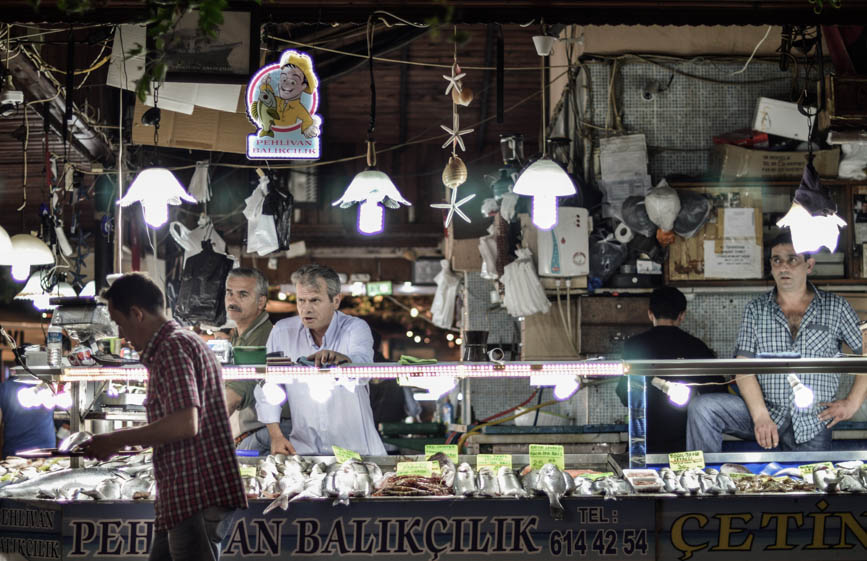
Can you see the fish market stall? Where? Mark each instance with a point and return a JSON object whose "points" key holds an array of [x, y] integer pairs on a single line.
{"points": [[468, 507]]}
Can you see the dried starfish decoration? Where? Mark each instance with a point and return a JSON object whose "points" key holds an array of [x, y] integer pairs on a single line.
{"points": [[454, 207], [455, 133], [454, 79]]}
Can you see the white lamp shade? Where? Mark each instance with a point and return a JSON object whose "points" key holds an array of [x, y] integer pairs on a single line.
{"points": [[155, 189], [33, 291], [809, 232], [544, 180], [5, 242], [372, 188], [26, 252], [89, 289]]}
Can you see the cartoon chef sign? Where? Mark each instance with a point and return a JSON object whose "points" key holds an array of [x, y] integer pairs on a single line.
{"points": [[281, 101]]}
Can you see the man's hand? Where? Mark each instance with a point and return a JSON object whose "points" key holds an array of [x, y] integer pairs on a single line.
{"points": [[836, 411], [103, 446], [766, 432], [328, 358], [281, 445]]}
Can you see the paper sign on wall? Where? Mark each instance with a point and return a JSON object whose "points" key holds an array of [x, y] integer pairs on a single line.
{"points": [[739, 259], [282, 99]]}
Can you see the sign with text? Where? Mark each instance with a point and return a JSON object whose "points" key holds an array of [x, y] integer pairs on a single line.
{"points": [[282, 99], [541, 454], [424, 469], [493, 461], [450, 450], [679, 461], [343, 454]]}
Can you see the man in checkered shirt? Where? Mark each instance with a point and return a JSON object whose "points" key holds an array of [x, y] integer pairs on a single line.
{"points": [[197, 476], [794, 317]]}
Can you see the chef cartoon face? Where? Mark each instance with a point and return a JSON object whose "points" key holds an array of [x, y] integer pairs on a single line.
{"points": [[292, 82]]}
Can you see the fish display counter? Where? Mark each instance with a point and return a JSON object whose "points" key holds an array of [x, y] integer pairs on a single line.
{"points": [[318, 507]]}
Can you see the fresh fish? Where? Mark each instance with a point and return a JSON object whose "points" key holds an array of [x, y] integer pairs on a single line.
{"points": [[604, 486], [729, 469], [59, 481], [75, 441], [314, 485], [289, 486], [508, 483], [708, 484], [447, 468], [108, 490], [136, 485], [689, 481], [252, 488], [725, 483], [825, 480], [375, 473], [349, 479], [851, 464], [670, 481], [862, 475], [790, 472], [550, 481], [488, 485], [850, 484], [465, 481]]}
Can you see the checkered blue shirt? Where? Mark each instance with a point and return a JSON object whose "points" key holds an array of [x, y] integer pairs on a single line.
{"points": [[828, 322]]}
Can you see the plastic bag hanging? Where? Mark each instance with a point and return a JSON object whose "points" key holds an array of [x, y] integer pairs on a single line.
{"points": [[443, 306], [488, 250], [524, 295], [278, 204], [663, 205], [201, 295], [191, 240], [200, 184], [261, 230]]}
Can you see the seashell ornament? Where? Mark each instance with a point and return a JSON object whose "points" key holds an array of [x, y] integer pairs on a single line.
{"points": [[463, 97], [455, 172]]}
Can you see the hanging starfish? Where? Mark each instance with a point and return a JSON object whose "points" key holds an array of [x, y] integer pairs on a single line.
{"points": [[455, 133], [454, 79], [454, 207]]}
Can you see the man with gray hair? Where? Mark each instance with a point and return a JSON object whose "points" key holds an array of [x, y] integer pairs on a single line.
{"points": [[324, 414], [246, 297]]}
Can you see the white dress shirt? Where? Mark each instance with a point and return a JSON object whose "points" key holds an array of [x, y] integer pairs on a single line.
{"points": [[345, 418]]}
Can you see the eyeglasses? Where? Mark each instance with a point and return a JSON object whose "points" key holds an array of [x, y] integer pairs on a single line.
{"points": [[791, 260]]}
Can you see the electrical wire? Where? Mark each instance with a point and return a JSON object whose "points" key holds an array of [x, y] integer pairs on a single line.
{"points": [[477, 429], [495, 415]]}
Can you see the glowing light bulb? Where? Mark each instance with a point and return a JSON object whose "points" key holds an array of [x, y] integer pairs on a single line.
{"points": [[371, 217], [809, 232], [565, 388], [281, 296], [459, 341], [417, 338], [45, 396], [111, 390], [20, 271], [414, 312], [64, 399], [678, 393], [803, 394], [27, 397], [320, 390], [410, 334], [274, 394], [544, 180], [450, 337]]}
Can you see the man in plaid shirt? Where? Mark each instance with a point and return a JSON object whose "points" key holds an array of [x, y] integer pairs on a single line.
{"points": [[794, 317], [197, 476]]}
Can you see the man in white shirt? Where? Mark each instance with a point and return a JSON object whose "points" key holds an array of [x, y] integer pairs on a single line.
{"points": [[323, 414]]}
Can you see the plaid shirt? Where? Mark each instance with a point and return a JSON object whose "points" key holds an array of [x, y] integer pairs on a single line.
{"points": [[828, 322], [199, 472]]}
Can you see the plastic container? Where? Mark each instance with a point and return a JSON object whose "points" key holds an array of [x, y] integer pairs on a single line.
{"points": [[249, 355], [54, 345]]}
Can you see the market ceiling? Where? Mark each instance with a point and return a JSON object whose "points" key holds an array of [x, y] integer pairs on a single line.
{"points": [[582, 12]]}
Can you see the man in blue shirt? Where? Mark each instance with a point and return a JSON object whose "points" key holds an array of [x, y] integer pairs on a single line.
{"points": [[325, 412], [23, 428], [794, 317]]}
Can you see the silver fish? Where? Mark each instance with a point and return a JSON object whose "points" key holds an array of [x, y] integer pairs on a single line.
{"points": [[447, 468], [289, 486], [670, 482], [551, 481], [375, 473], [850, 484], [862, 475], [83, 478], [349, 479], [604, 486], [583, 486], [136, 485], [508, 482], [314, 485], [707, 483], [689, 481], [790, 472], [252, 487], [825, 480], [465, 481], [488, 485], [729, 469], [108, 490], [725, 483], [75, 441]]}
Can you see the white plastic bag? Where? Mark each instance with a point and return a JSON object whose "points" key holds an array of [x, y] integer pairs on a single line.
{"points": [[191, 240], [443, 307], [524, 295], [261, 230], [488, 250], [200, 184]]}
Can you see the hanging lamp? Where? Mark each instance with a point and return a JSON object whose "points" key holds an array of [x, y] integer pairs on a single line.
{"points": [[27, 251]]}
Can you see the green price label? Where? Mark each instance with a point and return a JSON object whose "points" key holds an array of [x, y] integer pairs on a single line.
{"points": [[742, 475], [595, 476], [679, 461], [342, 454], [248, 471], [541, 454], [808, 469], [450, 450], [493, 461], [424, 469]]}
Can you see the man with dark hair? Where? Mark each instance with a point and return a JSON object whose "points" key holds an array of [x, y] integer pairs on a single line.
{"points": [[324, 414], [197, 475], [666, 422], [795, 317], [246, 298]]}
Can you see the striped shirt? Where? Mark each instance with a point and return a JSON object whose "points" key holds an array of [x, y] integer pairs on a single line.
{"points": [[199, 472], [828, 322]]}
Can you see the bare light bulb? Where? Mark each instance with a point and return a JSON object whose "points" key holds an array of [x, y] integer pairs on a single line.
{"points": [[565, 388], [371, 217], [64, 399], [678, 393], [274, 394], [20, 271], [809, 232], [803, 394], [27, 397], [45, 396]]}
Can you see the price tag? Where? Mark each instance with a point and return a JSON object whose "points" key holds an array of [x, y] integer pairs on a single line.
{"points": [[450, 450], [742, 475], [343, 454], [248, 471], [807, 470], [595, 476], [493, 461], [679, 461], [541, 454], [424, 469]]}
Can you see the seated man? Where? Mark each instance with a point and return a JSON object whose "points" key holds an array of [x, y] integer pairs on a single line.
{"points": [[666, 422], [794, 317]]}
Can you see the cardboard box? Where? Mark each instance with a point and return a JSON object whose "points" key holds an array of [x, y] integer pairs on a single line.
{"points": [[204, 129], [734, 162], [781, 118]]}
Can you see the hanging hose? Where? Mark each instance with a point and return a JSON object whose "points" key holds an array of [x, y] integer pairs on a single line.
{"points": [[476, 429], [494, 416]]}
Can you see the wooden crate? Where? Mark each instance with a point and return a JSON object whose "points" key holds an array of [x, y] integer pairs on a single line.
{"points": [[686, 256]]}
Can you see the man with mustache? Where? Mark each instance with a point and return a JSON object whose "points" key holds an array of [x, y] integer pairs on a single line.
{"points": [[246, 297], [324, 414], [794, 317]]}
